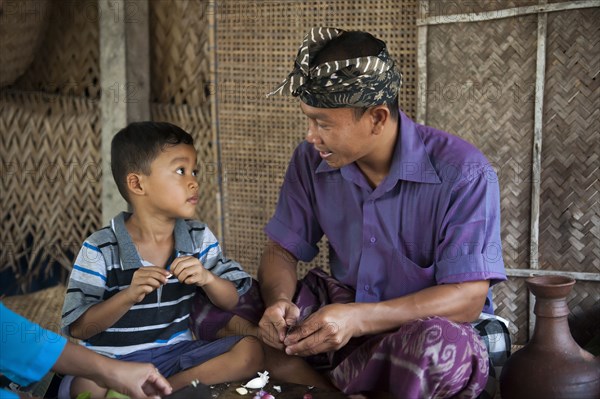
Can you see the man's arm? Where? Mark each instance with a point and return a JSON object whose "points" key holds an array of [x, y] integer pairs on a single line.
{"points": [[278, 278], [460, 302], [332, 326], [277, 274]]}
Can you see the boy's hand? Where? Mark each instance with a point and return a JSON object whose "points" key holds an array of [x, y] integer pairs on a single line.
{"points": [[189, 270], [145, 280]]}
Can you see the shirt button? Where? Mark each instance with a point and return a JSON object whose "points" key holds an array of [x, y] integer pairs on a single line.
{"points": [[373, 239], [367, 287]]}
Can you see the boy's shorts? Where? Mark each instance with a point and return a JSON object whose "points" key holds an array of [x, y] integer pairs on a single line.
{"points": [[169, 359]]}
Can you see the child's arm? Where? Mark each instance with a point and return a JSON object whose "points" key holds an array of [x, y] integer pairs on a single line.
{"points": [[189, 270], [105, 314]]}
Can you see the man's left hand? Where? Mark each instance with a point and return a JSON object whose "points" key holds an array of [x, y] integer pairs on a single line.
{"points": [[328, 329]]}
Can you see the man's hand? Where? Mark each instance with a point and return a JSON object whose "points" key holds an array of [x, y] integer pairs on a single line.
{"points": [[189, 270], [274, 324], [145, 280], [328, 329]]}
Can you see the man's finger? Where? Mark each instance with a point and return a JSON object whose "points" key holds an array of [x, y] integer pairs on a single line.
{"points": [[301, 331]]}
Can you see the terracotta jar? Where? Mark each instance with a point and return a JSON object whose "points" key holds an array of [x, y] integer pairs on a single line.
{"points": [[551, 365]]}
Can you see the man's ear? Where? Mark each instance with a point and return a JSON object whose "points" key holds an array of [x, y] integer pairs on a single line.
{"points": [[135, 183], [380, 115]]}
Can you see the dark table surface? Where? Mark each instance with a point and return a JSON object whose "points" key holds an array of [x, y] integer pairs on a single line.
{"points": [[228, 391]]}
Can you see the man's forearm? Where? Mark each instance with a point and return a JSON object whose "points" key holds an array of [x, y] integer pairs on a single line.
{"points": [[457, 302], [277, 274]]}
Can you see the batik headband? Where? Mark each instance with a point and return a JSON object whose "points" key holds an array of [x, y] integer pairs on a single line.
{"points": [[356, 82]]}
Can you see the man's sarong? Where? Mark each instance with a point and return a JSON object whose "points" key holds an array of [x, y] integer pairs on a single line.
{"points": [[430, 358]]}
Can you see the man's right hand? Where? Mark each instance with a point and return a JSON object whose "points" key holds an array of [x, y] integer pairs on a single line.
{"points": [[274, 324], [145, 280]]}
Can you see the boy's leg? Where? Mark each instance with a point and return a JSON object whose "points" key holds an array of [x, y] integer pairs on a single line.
{"points": [[294, 369], [71, 386], [242, 361]]}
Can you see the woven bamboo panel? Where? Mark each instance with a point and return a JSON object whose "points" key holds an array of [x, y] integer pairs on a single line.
{"points": [[585, 296], [22, 28], [179, 52], [67, 61], [570, 199], [42, 307], [195, 121], [256, 45], [49, 146], [511, 302], [454, 7], [481, 78]]}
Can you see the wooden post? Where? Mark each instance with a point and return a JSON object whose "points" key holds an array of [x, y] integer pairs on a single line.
{"points": [[125, 82], [422, 64], [536, 172]]}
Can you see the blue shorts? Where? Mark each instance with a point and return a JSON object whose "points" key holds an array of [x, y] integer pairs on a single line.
{"points": [[169, 359]]}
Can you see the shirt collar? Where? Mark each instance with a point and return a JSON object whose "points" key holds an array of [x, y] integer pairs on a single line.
{"points": [[410, 161], [128, 254]]}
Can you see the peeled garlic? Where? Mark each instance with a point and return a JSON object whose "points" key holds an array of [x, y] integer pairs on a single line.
{"points": [[258, 382]]}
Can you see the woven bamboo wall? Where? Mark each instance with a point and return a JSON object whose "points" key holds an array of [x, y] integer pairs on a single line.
{"points": [[50, 140], [480, 84], [50, 180], [50, 128], [256, 43], [475, 71], [181, 88]]}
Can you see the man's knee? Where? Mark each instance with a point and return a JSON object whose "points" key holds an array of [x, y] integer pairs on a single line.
{"points": [[437, 338]]}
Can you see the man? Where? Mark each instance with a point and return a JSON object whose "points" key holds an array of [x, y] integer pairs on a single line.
{"points": [[412, 217]]}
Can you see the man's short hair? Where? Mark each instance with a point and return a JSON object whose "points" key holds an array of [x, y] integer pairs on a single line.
{"points": [[134, 148], [354, 44]]}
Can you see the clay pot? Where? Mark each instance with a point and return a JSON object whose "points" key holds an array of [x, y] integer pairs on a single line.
{"points": [[551, 365]]}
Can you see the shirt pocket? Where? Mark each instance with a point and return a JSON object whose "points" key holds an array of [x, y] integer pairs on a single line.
{"points": [[405, 276]]}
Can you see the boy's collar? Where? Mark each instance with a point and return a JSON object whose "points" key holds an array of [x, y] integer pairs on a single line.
{"points": [[128, 254]]}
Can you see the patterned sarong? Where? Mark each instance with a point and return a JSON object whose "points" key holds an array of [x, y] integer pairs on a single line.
{"points": [[431, 358]]}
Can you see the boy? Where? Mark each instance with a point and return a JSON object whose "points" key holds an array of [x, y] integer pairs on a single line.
{"points": [[132, 284]]}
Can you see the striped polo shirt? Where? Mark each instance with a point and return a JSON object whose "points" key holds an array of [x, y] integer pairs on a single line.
{"points": [[105, 265]]}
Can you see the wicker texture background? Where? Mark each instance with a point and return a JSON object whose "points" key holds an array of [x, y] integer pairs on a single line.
{"points": [[570, 198], [481, 86], [49, 125], [67, 62], [256, 45], [179, 54], [181, 89], [49, 146], [481, 78], [50, 135], [21, 35]]}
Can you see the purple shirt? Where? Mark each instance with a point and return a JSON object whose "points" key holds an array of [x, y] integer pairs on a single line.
{"points": [[434, 219]]}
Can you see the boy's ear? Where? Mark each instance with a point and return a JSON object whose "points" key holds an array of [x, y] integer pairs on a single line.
{"points": [[134, 183]]}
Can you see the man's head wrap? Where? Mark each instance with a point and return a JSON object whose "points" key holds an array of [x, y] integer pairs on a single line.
{"points": [[356, 82]]}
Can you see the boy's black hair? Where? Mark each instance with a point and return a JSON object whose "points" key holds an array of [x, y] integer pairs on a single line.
{"points": [[354, 44], [134, 148]]}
